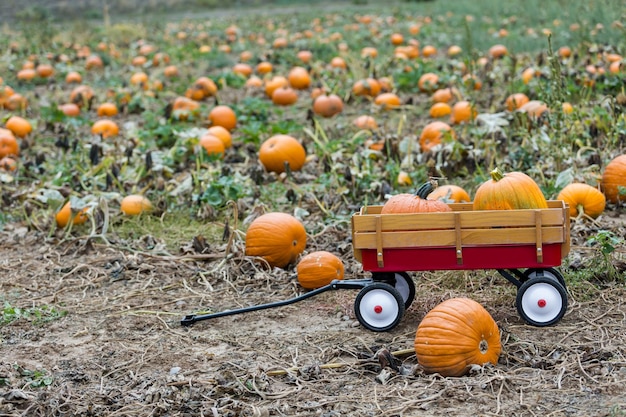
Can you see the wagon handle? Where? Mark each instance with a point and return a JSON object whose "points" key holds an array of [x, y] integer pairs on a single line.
{"points": [[334, 285]]}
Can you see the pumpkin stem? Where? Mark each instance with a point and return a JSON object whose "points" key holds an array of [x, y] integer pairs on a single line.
{"points": [[426, 188], [496, 174]]}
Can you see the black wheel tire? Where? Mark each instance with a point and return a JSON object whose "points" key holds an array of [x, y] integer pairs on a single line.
{"points": [[379, 307], [544, 272], [402, 282], [541, 301]]}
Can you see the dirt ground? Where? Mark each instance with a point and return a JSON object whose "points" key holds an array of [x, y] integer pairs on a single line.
{"points": [[121, 351]]}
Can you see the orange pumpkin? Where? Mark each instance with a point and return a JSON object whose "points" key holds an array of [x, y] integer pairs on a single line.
{"points": [[275, 83], [8, 143], [284, 96], [428, 82], [81, 95], [511, 191], [498, 51], [107, 110], [212, 145], [223, 134], [515, 101], [368, 87], [280, 151], [299, 78], [365, 122], [64, 216], [462, 112], [415, 203], [432, 134], [278, 238], [440, 109], [534, 108], [223, 116], [450, 194], [387, 101], [455, 335], [183, 107], [583, 199], [327, 105], [19, 126], [614, 180], [135, 204], [318, 269], [105, 127]]}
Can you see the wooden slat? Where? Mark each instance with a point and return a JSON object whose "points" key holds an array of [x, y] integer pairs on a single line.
{"points": [[538, 238], [379, 241], [447, 220], [435, 238], [458, 238]]}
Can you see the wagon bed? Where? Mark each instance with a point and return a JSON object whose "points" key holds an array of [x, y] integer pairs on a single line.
{"points": [[461, 239]]}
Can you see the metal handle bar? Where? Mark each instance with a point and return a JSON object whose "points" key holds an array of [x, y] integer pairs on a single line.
{"points": [[350, 284]]}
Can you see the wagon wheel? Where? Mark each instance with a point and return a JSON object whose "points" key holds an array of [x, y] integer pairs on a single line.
{"points": [[379, 307], [402, 282], [546, 272], [541, 301]]}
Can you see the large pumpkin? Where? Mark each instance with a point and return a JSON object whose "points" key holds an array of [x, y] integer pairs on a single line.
{"points": [[583, 199], [613, 178], [415, 203], [279, 238], [511, 191], [318, 269], [455, 335]]}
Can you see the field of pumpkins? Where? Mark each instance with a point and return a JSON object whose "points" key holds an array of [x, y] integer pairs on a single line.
{"points": [[165, 167]]}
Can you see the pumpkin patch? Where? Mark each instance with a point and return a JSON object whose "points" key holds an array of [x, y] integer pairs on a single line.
{"points": [[237, 155]]}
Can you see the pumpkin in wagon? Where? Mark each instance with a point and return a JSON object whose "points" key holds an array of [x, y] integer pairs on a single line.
{"points": [[318, 269], [455, 335], [415, 203], [278, 238], [511, 191]]}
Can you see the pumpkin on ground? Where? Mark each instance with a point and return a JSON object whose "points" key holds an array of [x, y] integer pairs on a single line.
{"points": [[433, 134], [8, 143], [511, 191], [583, 199], [318, 269], [280, 151], [415, 203], [455, 335], [278, 238], [614, 180], [64, 216], [135, 204]]}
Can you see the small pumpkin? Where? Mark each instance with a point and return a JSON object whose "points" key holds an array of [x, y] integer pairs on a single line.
{"points": [[64, 216], [462, 112], [387, 101], [278, 238], [105, 127], [223, 116], [432, 134], [455, 335], [213, 145], [327, 105], [450, 193], [281, 150], [318, 269], [415, 203], [299, 78], [511, 191], [19, 126], [135, 204], [284, 96], [368, 87], [614, 180], [583, 199]]}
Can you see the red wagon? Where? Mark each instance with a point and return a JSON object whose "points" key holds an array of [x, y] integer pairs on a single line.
{"points": [[524, 246], [534, 240]]}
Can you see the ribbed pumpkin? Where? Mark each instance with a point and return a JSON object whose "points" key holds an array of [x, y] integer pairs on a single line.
{"points": [[583, 199], [318, 269], [510, 191], [455, 335], [450, 194], [614, 176], [415, 203], [279, 238]]}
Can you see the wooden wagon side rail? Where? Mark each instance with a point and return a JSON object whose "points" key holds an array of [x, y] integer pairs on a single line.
{"points": [[461, 228]]}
